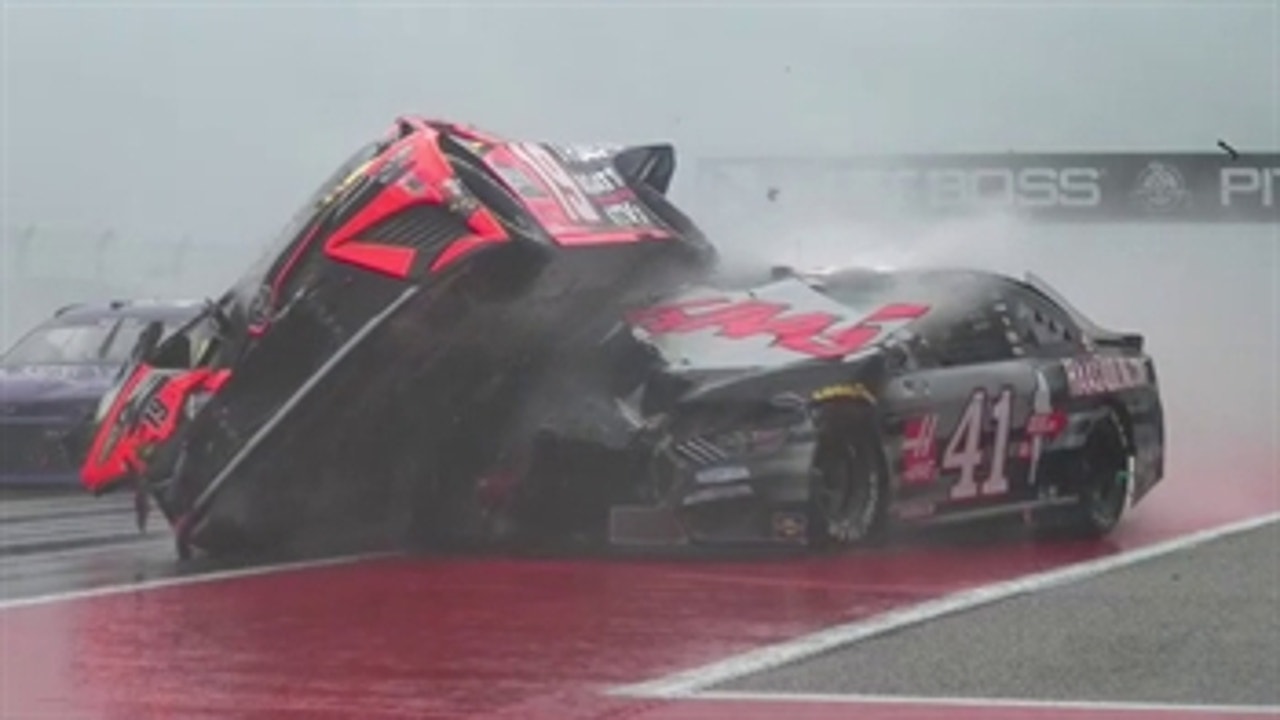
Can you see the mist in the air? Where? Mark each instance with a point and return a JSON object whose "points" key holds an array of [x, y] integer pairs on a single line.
{"points": [[206, 124]]}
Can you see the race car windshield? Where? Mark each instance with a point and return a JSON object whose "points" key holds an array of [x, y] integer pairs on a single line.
{"points": [[104, 342]]}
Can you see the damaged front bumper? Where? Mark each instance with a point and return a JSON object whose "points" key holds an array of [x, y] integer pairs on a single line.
{"points": [[705, 496]]}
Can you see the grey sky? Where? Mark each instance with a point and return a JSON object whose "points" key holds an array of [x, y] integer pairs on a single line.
{"points": [[160, 118]]}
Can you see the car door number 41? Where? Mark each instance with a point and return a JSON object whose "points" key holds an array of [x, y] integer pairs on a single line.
{"points": [[964, 451]]}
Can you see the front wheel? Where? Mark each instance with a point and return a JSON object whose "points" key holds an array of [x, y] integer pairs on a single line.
{"points": [[848, 489]]}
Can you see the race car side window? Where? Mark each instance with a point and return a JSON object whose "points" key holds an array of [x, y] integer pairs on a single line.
{"points": [[1043, 328], [974, 335]]}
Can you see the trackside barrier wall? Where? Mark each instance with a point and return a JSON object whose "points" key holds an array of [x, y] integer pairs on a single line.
{"points": [[1218, 187]]}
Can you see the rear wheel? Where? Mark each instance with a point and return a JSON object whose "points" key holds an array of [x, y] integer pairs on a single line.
{"points": [[1104, 473], [848, 490]]}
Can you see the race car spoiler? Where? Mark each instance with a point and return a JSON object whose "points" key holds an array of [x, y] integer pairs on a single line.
{"points": [[1099, 335], [650, 165]]}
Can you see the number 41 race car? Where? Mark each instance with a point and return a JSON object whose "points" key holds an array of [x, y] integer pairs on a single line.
{"points": [[819, 409]]}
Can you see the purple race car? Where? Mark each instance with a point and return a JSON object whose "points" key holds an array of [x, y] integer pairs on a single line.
{"points": [[54, 377]]}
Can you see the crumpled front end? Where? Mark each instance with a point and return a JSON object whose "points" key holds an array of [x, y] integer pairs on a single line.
{"points": [[728, 475]]}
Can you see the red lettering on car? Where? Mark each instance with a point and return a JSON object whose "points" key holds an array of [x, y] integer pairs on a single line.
{"points": [[807, 333]]}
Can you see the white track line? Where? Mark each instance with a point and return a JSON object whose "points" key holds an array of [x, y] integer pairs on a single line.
{"points": [[690, 682], [201, 579], [985, 703], [29, 507]]}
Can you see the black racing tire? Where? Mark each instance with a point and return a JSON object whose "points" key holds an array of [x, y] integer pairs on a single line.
{"points": [[849, 486], [1104, 466]]}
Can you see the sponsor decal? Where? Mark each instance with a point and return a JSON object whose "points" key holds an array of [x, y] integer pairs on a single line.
{"points": [[916, 509], [1058, 187], [856, 391], [1161, 187], [626, 213], [818, 334], [920, 450], [985, 187], [1256, 186], [599, 182], [1047, 424], [1099, 375], [458, 198], [554, 177], [519, 181], [155, 413], [586, 152], [1032, 187], [1040, 426], [981, 437]]}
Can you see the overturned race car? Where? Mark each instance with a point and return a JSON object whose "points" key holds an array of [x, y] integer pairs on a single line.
{"points": [[412, 293]]}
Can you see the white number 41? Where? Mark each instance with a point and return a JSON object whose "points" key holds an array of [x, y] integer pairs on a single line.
{"points": [[964, 451]]}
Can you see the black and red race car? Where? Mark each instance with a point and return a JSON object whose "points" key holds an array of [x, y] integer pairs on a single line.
{"points": [[465, 338], [425, 277]]}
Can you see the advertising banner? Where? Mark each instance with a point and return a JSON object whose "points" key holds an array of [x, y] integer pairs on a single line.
{"points": [[1055, 187]]}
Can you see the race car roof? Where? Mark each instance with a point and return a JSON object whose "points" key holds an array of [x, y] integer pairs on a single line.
{"points": [[143, 309]]}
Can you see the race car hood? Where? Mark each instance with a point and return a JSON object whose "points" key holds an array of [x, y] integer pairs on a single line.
{"points": [[785, 336], [708, 331]]}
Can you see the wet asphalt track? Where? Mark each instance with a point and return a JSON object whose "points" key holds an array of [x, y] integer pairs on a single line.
{"points": [[1199, 627], [54, 544], [66, 542], [1196, 626]]}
